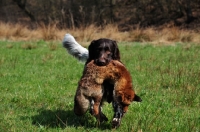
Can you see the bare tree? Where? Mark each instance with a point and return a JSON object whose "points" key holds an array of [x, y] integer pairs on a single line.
{"points": [[22, 5]]}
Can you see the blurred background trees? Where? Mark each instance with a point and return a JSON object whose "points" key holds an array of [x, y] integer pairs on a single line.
{"points": [[127, 14]]}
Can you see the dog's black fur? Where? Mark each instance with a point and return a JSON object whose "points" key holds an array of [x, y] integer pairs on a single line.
{"points": [[102, 51]]}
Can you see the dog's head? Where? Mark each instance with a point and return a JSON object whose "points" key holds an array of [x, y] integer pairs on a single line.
{"points": [[102, 51]]}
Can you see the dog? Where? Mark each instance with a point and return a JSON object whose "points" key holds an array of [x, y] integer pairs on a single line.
{"points": [[90, 90], [102, 51]]}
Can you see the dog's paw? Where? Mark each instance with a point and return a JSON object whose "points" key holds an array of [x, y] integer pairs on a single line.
{"points": [[116, 122]]}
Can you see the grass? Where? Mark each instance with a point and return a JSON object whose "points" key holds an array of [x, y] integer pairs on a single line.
{"points": [[38, 82]]}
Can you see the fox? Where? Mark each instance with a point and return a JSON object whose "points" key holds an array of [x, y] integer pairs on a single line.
{"points": [[90, 90]]}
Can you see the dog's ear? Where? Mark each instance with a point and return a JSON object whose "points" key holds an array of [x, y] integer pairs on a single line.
{"points": [[116, 53], [91, 50], [137, 98]]}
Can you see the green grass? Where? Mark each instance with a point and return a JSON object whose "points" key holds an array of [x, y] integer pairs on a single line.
{"points": [[38, 82]]}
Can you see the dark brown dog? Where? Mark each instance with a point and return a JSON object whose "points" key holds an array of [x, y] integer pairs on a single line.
{"points": [[102, 51], [90, 90]]}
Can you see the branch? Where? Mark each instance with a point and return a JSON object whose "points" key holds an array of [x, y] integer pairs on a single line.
{"points": [[22, 5]]}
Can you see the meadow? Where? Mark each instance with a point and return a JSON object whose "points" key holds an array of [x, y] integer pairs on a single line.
{"points": [[38, 81]]}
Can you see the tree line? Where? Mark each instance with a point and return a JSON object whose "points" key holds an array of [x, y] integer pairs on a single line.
{"points": [[124, 13]]}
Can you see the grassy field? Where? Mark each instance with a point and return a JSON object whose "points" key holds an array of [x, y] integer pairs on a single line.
{"points": [[38, 82]]}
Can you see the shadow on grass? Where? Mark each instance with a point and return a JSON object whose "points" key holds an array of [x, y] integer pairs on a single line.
{"points": [[63, 119]]}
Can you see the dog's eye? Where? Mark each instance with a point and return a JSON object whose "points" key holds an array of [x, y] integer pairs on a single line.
{"points": [[109, 53], [107, 49], [99, 49]]}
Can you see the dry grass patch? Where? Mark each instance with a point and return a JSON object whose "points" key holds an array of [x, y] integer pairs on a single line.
{"points": [[166, 35], [171, 34], [143, 35], [21, 32], [47, 57], [186, 36], [91, 32], [5, 30], [85, 34], [110, 31], [48, 32], [53, 46], [174, 34], [14, 32], [9, 46], [28, 46]]}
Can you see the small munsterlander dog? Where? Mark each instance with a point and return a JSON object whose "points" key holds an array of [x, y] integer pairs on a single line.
{"points": [[90, 90]]}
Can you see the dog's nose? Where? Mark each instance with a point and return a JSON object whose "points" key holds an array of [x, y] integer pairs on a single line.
{"points": [[101, 62]]}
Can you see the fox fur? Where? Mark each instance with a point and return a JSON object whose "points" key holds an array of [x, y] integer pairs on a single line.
{"points": [[90, 89]]}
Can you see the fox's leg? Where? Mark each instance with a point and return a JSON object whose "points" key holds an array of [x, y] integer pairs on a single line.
{"points": [[95, 109], [102, 116], [107, 96], [81, 104]]}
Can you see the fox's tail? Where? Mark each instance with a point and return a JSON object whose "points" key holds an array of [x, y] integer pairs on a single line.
{"points": [[74, 48]]}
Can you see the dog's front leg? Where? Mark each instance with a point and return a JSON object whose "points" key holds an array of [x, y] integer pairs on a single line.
{"points": [[102, 116], [118, 114]]}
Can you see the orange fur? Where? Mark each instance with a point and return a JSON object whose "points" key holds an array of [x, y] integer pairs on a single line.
{"points": [[90, 87]]}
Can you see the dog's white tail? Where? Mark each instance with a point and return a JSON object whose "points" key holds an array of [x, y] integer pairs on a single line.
{"points": [[74, 48]]}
